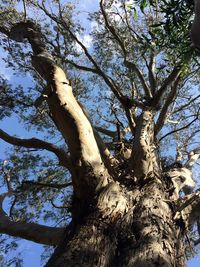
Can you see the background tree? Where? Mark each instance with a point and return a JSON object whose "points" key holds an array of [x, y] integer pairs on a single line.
{"points": [[110, 166]]}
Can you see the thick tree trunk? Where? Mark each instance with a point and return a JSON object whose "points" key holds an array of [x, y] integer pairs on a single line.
{"points": [[145, 235]]}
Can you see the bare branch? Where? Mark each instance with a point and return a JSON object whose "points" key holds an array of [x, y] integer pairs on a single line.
{"points": [[58, 207], [68, 115], [163, 113], [186, 105], [172, 76], [128, 64], [112, 29], [31, 231], [109, 82], [180, 129], [133, 67], [106, 132], [40, 184], [24, 6], [151, 70], [84, 68], [38, 144]]}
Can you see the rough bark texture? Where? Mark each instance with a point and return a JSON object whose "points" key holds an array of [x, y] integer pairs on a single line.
{"points": [[144, 235]]}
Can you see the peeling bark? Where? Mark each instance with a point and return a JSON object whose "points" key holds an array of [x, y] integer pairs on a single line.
{"points": [[128, 228], [94, 241], [144, 159], [155, 240]]}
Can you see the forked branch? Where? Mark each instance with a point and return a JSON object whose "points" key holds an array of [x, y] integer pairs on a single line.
{"points": [[30, 231]]}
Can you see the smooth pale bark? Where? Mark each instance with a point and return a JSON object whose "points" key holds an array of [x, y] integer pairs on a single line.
{"points": [[89, 172]]}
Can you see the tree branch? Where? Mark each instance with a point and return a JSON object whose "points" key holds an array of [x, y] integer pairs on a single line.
{"points": [[133, 67], [186, 105], [51, 185], [163, 113], [108, 80], [38, 144], [90, 173], [128, 64], [188, 208], [180, 129], [106, 132], [99, 71], [112, 29], [151, 70], [30, 231], [85, 68], [172, 76]]}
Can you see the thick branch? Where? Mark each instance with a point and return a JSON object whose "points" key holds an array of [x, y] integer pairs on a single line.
{"points": [[108, 159], [112, 29], [172, 76], [144, 158], [188, 208], [98, 70], [133, 67], [163, 113], [38, 144], [151, 69], [106, 132], [31, 231], [51, 185], [90, 172]]}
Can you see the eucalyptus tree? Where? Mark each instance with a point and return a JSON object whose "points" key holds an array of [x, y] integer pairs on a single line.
{"points": [[113, 165]]}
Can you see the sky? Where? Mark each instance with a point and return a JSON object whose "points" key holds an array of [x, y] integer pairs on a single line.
{"points": [[32, 251]]}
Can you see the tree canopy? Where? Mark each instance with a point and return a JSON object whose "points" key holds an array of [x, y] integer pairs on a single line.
{"points": [[122, 59]]}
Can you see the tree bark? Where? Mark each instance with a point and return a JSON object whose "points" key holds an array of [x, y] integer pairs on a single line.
{"points": [[145, 234]]}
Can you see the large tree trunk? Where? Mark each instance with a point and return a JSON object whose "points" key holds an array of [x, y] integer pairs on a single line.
{"points": [[146, 234]]}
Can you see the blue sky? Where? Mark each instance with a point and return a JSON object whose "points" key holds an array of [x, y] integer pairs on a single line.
{"points": [[31, 251]]}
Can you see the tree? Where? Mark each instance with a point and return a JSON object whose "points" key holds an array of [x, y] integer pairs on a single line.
{"points": [[118, 185]]}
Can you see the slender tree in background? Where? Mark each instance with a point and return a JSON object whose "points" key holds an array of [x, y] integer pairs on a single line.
{"points": [[117, 116]]}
